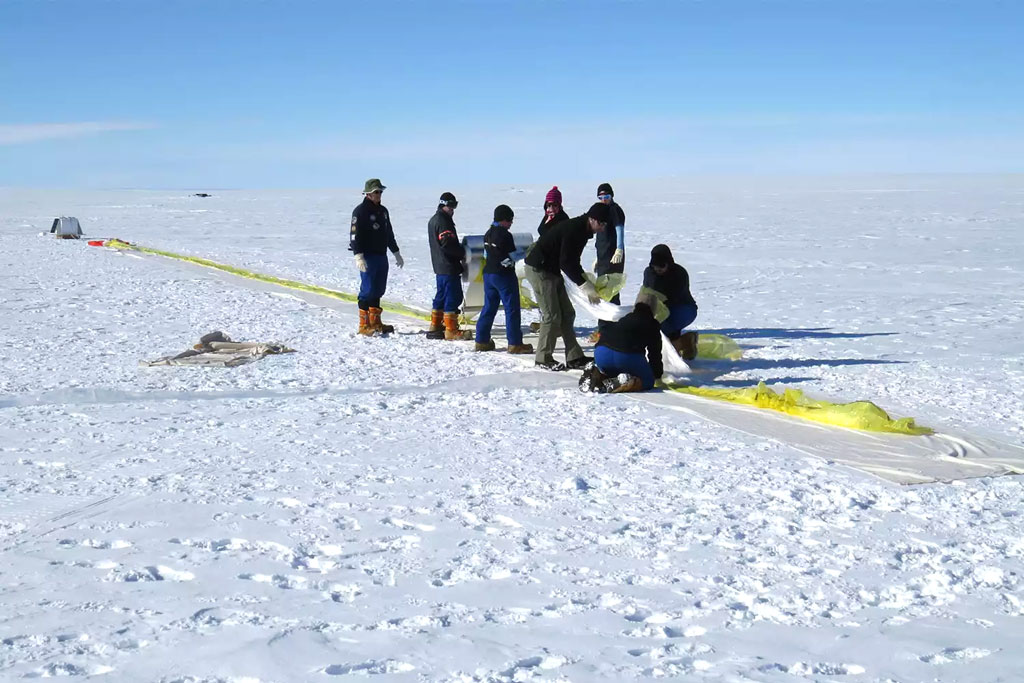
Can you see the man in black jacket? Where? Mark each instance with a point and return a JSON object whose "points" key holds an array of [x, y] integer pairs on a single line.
{"points": [[666, 276], [558, 251], [446, 255], [610, 244], [619, 363], [370, 239]]}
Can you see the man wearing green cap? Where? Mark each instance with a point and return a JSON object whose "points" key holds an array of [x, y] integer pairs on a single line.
{"points": [[370, 238]]}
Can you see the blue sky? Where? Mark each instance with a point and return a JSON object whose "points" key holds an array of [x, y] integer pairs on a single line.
{"points": [[263, 93]]}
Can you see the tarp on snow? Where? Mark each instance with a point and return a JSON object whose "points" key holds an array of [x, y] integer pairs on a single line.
{"points": [[217, 350]]}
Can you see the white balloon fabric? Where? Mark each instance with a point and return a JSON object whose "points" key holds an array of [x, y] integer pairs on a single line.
{"points": [[606, 310]]}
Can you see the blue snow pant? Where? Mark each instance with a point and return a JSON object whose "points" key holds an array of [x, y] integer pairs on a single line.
{"points": [[448, 297], [679, 318], [503, 287], [612, 362], [373, 281]]}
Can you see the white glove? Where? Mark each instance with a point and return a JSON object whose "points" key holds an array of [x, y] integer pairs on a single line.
{"points": [[618, 256], [399, 261], [591, 291], [594, 267], [360, 263]]}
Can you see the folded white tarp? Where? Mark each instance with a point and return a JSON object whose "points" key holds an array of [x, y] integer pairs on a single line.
{"points": [[217, 350]]}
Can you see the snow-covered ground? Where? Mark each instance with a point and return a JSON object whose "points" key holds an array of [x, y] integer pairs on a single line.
{"points": [[412, 509]]}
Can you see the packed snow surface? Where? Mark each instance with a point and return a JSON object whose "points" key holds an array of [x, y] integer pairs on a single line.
{"points": [[415, 511]]}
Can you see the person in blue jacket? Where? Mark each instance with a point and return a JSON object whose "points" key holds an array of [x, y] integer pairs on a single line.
{"points": [[501, 284], [370, 239], [667, 277]]}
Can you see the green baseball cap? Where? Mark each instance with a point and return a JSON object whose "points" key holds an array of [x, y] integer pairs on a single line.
{"points": [[372, 185]]}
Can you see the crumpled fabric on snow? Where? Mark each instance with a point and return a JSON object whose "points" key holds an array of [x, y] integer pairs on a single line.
{"points": [[216, 349]]}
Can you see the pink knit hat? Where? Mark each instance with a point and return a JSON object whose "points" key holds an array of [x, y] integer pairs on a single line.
{"points": [[553, 195]]}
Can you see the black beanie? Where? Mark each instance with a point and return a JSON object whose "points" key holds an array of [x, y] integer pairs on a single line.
{"points": [[605, 188], [448, 199], [503, 212], [661, 255], [600, 212]]}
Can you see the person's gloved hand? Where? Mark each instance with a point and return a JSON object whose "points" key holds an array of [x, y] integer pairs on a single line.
{"points": [[618, 256], [508, 263], [360, 263], [399, 261], [591, 291]]}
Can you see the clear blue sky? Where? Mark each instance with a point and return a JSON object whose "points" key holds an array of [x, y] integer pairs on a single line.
{"points": [[266, 93]]}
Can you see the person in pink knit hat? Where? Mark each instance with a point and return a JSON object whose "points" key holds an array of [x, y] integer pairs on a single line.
{"points": [[553, 211]]}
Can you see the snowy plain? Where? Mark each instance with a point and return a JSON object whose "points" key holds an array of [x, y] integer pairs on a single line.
{"points": [[412, 510]]}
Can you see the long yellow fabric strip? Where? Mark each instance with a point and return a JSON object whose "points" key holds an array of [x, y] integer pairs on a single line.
{"points": [[389, 306], [862, 415]]}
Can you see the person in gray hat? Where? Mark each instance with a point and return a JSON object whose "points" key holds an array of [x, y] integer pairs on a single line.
{"points": [[369, 240]]}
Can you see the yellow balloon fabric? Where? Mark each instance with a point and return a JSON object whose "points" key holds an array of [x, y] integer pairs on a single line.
{"points": [[717, 347], [863, 415], [857, 415], [389, 306], [608, 285]]}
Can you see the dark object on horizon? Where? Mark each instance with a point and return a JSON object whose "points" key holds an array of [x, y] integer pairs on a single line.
{"points": [[202, 194]]}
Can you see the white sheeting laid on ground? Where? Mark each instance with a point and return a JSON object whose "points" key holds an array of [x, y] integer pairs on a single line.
{"points": [[893, 457], [941, 457]]}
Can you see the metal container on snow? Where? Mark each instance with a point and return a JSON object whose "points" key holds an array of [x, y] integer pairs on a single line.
{"points": [[473, 272]]}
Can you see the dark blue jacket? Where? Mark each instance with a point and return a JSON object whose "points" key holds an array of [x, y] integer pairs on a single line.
{"points": [[371, 230], [607, 240], [498, 246], [635, 332], [674, 284], [446, 250]]}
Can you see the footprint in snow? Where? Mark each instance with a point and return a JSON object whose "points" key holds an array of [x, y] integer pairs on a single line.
{"points": [[387, 666], [952, 654], [157, 573], [819, 669]]}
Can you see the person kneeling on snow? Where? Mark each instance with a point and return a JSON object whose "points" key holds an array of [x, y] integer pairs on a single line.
{"points": [[667, 277], [619, 362], [501, 284]]}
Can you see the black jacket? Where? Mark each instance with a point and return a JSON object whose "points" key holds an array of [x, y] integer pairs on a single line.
{"points": [[498, 246], [544, 224], [560, 248], [446, 250], [371, 230], [635, 332], [607, 241], [674, 284]]}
